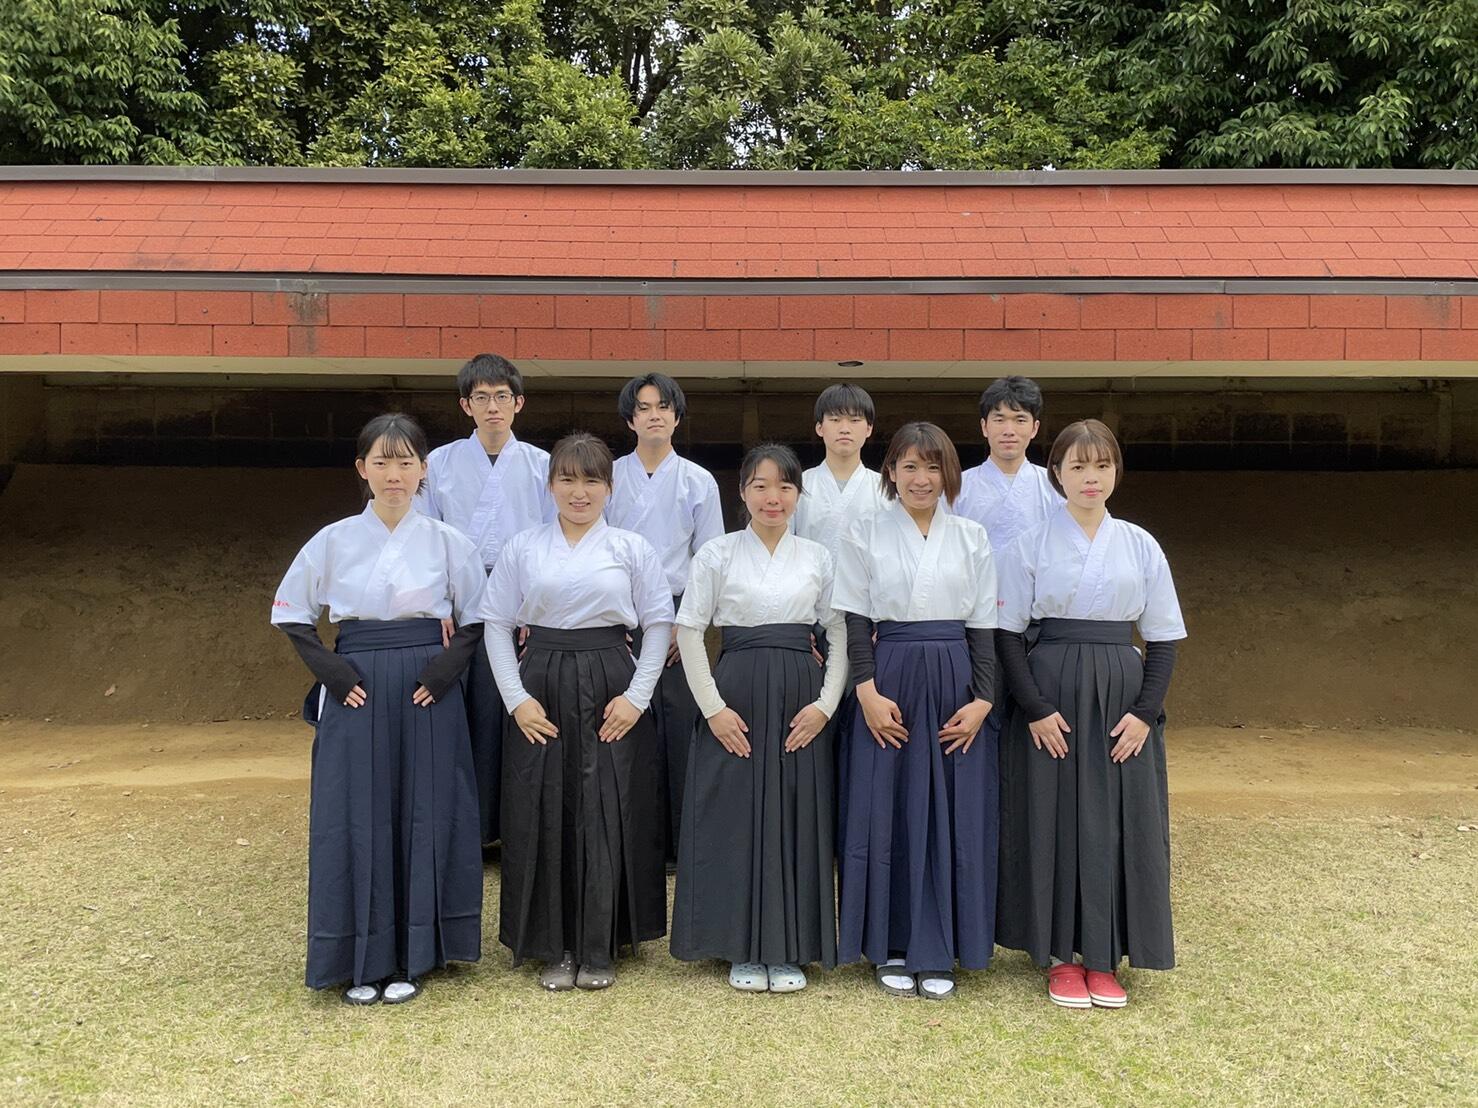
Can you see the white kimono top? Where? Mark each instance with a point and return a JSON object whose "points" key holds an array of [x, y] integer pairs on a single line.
{"points": [[736, 582], [1006, 507], [358, 568], [1122, 575], [827, 509], [887, 570], [676, 509], [610, 578], [488, 503]]}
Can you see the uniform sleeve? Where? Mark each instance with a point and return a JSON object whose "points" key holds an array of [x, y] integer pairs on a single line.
{"points": [[547, 510], [498, 609], [984, 617], [695, 668], [1161, 620], [649, 589], [299, 596], [850, 591], [1016, 585], [466, 580], [426, 500], [708, 514], [700, 598]]}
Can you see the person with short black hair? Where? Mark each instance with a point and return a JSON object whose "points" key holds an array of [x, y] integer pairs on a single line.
{"points": [[754, 873], [841, 489], [1007, 494], [673, 503], [1085, 831], [582, 842], [489, 486], [918, 870], [394, 866]]}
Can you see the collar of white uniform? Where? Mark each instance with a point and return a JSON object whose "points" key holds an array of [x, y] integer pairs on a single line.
{"points": [[787, 540]]}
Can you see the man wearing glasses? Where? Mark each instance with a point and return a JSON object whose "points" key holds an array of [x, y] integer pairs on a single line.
{"points": [[490, 487]]}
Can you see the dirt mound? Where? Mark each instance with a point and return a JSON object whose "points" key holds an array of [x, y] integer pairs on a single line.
{"points": [[1326, 599]]}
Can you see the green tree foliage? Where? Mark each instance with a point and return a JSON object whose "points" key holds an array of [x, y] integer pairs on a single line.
{"points": [[784, 84]]}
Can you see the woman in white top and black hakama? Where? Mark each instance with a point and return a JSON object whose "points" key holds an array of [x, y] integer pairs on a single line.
{"points": [[754, 873], [582, 863], [394, 858], [918, 871], [1085, 820]]}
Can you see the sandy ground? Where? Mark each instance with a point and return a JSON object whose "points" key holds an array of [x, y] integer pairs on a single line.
{"points": [[1212, 769], [1332, 600]]}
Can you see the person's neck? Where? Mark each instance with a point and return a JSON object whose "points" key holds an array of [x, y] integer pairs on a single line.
{"points": [[493, 442], [390, 516], [1011, 468], [769, 535], [922, 517], [1089, 519], [652, 454], [574, 532], [842, 467]]}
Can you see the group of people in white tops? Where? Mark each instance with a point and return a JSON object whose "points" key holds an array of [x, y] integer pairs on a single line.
{"points": [[928, 731]]}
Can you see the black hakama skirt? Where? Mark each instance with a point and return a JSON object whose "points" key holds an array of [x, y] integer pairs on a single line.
{"points": [[394, 862], [674, 714], [754, 870], [918, 872], [582, 842], [485, 725], [1085, 842]]}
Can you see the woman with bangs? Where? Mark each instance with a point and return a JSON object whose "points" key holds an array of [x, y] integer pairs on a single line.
{"points": [[754, 871], [394, 858], [1085, 823], [918, 871], [583, 871]]}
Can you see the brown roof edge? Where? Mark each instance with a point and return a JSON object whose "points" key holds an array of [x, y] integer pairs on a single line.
{"points": [[730, 178]]}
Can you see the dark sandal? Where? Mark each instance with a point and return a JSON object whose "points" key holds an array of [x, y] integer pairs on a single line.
{"points": [[364, 998], [593, 979], [936, 975], [559, 977], [401, 996], [880, 972]]}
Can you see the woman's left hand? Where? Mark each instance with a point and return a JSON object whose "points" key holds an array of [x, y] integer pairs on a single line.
{"points": [[806, 725], [1131, 733], [620, 717], [422, 697], [959, 733]]}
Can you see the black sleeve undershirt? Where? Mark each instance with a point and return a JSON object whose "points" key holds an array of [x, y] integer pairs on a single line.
{"points": [[331, 670], [981, 641], [859, 648], [441, 673], [1159, 664]]}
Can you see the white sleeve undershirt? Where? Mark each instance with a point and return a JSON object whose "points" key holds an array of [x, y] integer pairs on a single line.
{"points": [[705, 691]]}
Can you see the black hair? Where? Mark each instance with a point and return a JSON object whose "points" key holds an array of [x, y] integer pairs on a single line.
{"points": [[845, 399], [402, 436], [668, 389], [580, 454], [785, 461], [1020, 394], [491, 370]]}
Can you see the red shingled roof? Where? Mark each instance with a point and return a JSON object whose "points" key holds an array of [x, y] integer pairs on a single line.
{"points": [[823, 231]]}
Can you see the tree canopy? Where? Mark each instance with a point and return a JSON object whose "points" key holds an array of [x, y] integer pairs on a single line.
{"points": [[777, 84]]}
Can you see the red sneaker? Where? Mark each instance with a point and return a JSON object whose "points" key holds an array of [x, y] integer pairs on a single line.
{"points": [[1067, 986], [1105, 991]]}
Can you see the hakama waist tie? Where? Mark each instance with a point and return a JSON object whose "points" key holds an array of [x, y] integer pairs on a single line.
{"points": [[576, 638], [767, 636], [921, 630], [1106, 632], [386, 634]]}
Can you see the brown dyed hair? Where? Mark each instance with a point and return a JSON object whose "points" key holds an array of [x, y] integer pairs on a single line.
{"points": [[580, 454], [933, 445], [1093, 440]]}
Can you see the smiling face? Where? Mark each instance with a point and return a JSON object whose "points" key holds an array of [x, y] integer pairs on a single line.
{"points": [[1087, 477], [843, 433], [492, 408], [393, 476], [579, 497], [1008, 431], [653, 419], [769, 497], [919, 481]]}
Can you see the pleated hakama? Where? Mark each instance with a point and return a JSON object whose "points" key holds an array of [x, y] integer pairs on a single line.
{"points": [[1085, 842], [485, 726], [582, 843], [754, 875], [918, 873], [674, 714], [394, 862]]}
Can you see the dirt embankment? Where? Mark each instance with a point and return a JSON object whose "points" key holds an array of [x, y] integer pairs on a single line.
{"points": [[1334, 600]]}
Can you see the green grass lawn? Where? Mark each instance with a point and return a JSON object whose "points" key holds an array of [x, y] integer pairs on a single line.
{"points": [[152, 944]]}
